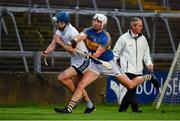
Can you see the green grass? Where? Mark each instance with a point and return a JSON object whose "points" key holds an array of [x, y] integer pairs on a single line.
{"points": [[103, 112]]}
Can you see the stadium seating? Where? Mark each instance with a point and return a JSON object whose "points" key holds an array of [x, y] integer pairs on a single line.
{"points": [[42, 23]]}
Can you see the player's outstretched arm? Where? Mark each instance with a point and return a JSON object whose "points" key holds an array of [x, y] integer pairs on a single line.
{"points": [[49, 49], [80, 37]]}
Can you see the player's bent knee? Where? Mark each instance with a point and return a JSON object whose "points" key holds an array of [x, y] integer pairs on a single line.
{"points": [[61, 77]]}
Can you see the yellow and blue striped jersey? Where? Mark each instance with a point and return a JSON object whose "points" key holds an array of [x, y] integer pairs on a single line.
{"points": [[94, 40]]}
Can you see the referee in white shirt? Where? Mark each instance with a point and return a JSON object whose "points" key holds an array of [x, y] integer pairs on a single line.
{"points": [[132, 49]]}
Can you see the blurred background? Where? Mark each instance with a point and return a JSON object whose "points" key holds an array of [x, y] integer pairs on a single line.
{"points": [[26, 29]]}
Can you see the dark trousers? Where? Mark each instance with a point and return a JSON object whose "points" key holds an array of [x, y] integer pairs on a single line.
{"points": [[130, 98]]}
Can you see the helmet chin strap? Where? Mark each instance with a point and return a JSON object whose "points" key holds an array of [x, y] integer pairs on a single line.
{"points": [[102, 27]]}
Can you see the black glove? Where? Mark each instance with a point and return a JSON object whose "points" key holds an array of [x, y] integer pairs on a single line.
{"points": [[73, 43]]}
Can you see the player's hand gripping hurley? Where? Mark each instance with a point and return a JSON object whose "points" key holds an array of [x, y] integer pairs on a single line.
{"points": [[104, 63]]}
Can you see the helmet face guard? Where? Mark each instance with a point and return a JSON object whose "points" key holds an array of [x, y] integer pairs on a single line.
{"points": [[54, 19]]}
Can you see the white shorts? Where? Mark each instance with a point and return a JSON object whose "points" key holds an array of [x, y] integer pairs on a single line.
{"points": [[81, 65], [100, 69]]}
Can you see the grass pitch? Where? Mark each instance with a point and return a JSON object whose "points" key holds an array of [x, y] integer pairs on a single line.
{"points": [[103, 112]]}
